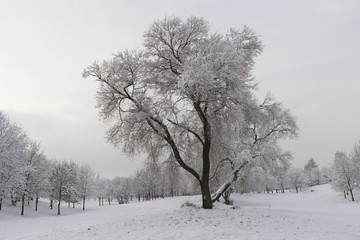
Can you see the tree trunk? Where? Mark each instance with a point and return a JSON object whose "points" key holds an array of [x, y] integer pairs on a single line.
{"points": [[99, 201], [205, 188], [0, 203], [59, 207], [36, 202], [13, 200], [352, 195], [297, 190], [102, 201], [22, 204], [60, 192], [206, 195], [83, 202], [51, 204], [226, 196], [344, 194]]}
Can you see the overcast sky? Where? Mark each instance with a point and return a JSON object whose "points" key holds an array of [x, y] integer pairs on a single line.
{"points": [[311, 63]]}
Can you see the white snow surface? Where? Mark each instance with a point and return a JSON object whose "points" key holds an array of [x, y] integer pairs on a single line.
{"points": [[318, 214]]}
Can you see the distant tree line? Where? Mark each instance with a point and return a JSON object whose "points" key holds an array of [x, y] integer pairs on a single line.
{"points": [[279, 178], [26, 175]]}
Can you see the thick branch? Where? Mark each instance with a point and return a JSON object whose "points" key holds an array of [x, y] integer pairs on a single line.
{"points": [[221, 162], [168, 138], [207, 140], [187, 129], [234, 176]]}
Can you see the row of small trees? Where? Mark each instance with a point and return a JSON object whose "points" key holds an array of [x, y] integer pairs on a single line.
{"points": [[26, 173], [346, 171], [280, 178], [168, 179], [153, 181], [21, 163]]}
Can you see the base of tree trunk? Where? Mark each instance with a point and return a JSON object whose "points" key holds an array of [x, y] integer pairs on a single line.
{"points": [[352, 195]]}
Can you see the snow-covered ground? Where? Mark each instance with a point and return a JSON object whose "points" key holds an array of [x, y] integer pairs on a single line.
{"points": [[318, 214]]}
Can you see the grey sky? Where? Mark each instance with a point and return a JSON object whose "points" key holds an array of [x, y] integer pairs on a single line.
{"points": [[310, 62]]}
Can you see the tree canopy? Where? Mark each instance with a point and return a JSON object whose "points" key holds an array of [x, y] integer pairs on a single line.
{"points": [[188, 95]]}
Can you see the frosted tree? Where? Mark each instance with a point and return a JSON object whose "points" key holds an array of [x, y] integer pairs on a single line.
{"points": [[243, 183], [172, 178], [33, 174], [355, 159], [343, 174], [122, 189], [100, 189], [42, 188], [266, 171], [109, 191], [148, 180], [63, 182], [312, 170], [189, 94], [13, 144], [154, 179], [118, 189], [325, 175], [86, 182], [298, 179], [270, 182], [282, 177], [139, 184], [251, 180]]}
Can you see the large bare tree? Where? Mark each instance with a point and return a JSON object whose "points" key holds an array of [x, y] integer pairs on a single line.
{"points": [[188, 95]]}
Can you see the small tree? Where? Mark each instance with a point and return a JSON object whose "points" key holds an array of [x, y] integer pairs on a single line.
{"points": [[172, 178], [109, 191], [33, 173], [100, 189], [121, 192], [13, 146], [86, 182], [355, 159], [63, 181], [343, 175], [297, 179], [312, 170]]}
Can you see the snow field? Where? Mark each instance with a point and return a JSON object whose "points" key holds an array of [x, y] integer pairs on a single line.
{"points": [[322, 214]]}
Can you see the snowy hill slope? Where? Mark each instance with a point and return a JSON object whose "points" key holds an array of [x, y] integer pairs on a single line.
{"points": [[321, 214]]}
